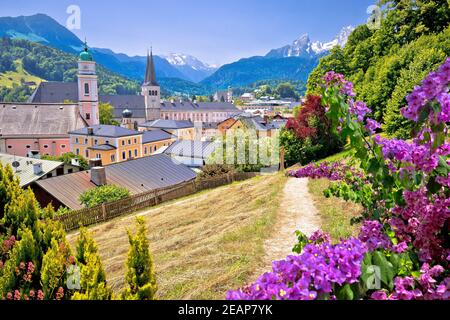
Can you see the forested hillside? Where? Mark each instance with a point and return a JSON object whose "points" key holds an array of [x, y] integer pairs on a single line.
{"points": [[386, 63], [20, 58]]}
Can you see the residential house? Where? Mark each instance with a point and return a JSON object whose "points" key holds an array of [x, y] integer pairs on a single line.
{"points": [[109, 143], [154, 140], [192, 153], [137, 176], [30, 170]]}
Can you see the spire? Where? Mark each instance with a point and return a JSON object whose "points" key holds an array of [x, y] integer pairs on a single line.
{"points": [[150, 74]]}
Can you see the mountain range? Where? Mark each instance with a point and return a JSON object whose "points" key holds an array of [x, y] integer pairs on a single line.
{"points": [[181, 73]]}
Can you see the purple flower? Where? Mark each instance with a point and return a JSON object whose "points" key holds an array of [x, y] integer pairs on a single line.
{"points": [[372, 126]]}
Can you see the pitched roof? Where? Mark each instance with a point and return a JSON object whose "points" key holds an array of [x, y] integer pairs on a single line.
{"points": [[55, 92], [103, 130], [103, 147], [156, 135], [192, 149], [134, 103], [168, 124], [150, 74], [138, 176], [25, 171], [39, 119]]}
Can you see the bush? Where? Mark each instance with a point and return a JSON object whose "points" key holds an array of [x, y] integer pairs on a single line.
{"points": [[215, 170], [309, 136], [103, 194], [140, 274]]}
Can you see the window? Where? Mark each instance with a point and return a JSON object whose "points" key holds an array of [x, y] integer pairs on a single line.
{"points": [[98, 156], [45, 146], [113, 158], [123, 142], [88, 116], [95, 141], [63, 146], [135, 141], [87, 153], [130, 155], [129, 141], [145, 150], [9, 147], [107, 142], [124, 155], [76, 140], [85, 141], [154, 149], [86, 89], [78, 152], [135, 152], [28, 147]]}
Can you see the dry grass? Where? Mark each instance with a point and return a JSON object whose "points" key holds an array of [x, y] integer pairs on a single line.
{"points": [[202, 245], [335, 213]]}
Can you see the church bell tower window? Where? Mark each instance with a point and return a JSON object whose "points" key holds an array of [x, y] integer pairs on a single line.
{"points": [[86, 89]]}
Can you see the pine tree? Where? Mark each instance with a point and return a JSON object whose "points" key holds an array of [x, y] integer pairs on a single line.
{"points": [[93, 277], [140, 274]]}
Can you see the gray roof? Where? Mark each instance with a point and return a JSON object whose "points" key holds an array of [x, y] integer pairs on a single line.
{"points": [[191, 149], [25, 171], [134, 103], [156, 135], [138, 176], [103, 147], [35, 120], [55, 92], [103, 130], [168, 124]]}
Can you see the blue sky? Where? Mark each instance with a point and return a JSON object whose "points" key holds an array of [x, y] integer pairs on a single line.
{"points": [[216, 31]]}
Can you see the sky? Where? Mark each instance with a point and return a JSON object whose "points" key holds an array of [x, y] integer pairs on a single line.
{"points": [[215, 31]]}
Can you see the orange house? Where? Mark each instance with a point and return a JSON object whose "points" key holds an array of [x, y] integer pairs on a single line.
{"points": [[109, 143]]}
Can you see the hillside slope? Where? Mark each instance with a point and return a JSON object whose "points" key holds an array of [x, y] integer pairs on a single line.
{"points": [[22, 61], [202, 245]]}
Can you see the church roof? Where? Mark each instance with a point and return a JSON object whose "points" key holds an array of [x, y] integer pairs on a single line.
{"points": [[45, 120], [150, 74], [55, 92]]}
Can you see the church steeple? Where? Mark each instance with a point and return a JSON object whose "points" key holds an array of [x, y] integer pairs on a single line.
{"points": [[150, 74], [151, 91]]}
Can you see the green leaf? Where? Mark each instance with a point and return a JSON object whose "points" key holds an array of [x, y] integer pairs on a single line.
{"points": [[345, 293], [386, 269]]}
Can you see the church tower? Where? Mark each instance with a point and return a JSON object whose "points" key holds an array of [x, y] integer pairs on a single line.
{"points": [[88, 87], [151, 91]]}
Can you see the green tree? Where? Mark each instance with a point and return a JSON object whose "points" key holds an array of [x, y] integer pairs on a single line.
{"points": [[140, 275], [93, 277], [103, 194], [67, 159], [286, 90], [106, 111]]}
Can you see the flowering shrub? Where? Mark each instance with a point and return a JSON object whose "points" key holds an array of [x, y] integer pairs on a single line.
{"points": [[406, 198]]}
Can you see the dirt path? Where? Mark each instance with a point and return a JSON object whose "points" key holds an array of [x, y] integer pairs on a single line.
{"points": [[297, 212]]}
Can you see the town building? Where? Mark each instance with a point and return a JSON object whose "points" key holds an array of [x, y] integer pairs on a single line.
{"points": [[41, 126], [194, 154], [30, 170], [263, 126], [137, 176], [182, 129], [224, 96]]}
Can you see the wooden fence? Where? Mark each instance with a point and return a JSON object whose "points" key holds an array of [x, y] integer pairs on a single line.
{"points": [[107, 211]]}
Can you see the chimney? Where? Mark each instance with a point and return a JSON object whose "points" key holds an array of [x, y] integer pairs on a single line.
{"points": [[37, 168], [90, 131], [95, 163], [98, 176]]}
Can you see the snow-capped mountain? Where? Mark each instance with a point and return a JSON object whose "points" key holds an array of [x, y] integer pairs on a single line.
{"points": [[190, 66], [304, 47]]}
